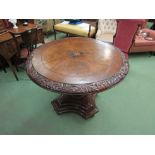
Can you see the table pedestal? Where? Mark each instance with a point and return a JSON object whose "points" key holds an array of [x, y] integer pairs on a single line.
{"points": [[84, 105]]}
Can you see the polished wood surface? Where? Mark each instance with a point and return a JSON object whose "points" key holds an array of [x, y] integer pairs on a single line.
{"points": [[79, 68], [8, 37], [22, 28], [77, 61], [5, 36]]}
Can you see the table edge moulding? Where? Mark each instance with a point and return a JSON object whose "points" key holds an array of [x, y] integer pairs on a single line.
{"points": [[83, 95]]}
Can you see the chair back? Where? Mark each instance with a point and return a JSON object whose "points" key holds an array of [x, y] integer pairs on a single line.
{"points": [[125, 33], [106, 29], [8, 48], [30, 37]]}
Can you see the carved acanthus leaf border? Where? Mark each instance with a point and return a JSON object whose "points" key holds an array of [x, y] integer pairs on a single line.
{"points": [[76, 88]]}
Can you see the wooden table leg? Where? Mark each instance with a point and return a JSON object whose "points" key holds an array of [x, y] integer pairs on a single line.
{"points": [[12, 68], [84, 105]]}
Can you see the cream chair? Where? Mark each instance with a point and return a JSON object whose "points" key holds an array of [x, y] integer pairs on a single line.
{"points": [[106, 30]]}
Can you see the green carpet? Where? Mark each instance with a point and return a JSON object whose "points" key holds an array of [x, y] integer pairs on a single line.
{"points": [[128, 108]]}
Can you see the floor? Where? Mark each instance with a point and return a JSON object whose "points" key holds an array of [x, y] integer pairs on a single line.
{"points": [[128, 108]]}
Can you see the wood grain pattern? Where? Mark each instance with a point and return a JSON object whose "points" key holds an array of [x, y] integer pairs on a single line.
{"points": [[22, 28], [77, 66]]}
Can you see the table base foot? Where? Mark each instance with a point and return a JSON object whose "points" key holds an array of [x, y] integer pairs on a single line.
{"points": [[83, 105]]}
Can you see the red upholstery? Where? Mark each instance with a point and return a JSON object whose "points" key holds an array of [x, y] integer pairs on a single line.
{"points": [[141, 44], [126, 29], [24, 53], [141, 41], [20, 57]]}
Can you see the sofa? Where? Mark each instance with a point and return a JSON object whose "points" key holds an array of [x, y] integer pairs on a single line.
{"points": [[144, 41]]}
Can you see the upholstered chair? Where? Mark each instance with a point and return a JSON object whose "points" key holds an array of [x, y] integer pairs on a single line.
{"points": [[144, 41], [125, 33], [86, 28], [106, 30]]}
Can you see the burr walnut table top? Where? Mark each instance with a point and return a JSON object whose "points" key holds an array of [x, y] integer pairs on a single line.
{"points": [[77, 65]]}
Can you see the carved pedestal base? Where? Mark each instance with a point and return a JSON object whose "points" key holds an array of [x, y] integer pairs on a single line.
{"points": [[84, 105]]}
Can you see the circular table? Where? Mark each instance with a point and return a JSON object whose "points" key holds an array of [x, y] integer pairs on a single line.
{"points": [[77, 68]]}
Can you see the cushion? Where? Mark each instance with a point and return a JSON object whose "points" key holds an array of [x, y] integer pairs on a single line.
{"points": [[140, 41], [106, 29], [24, 53], [106, 37], [107, 25], [135, 49], [81, 29]]}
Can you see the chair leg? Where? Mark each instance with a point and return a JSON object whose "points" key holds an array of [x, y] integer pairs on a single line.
{"points": [[4, 69], [31, 48], [16, 68], [150, 54], [12, 68], [55, 35], [43, 41]]}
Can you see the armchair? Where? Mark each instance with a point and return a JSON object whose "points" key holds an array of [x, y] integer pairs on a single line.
{"points": [[87, 28], [106, 30], [144, 41], [125, 33]]}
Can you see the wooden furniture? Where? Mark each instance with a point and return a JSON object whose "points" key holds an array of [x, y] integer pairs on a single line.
{"points": [[10, 44], [6, 27], [21, 29], [2, 63], [8, 48], [40, 35], [30, 35], [29, 38], [2, 26], [87, 28], [6, 38], [78, 68], [21, 21], [33, 24]]}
